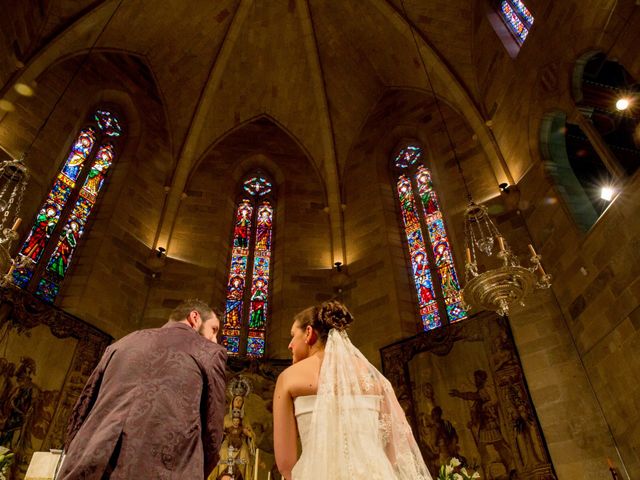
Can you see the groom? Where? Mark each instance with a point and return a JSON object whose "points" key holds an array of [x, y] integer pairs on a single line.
{"points": [[153, 408]]}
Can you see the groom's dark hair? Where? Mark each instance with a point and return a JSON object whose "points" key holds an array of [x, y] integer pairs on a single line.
{"points": [[183, 310]]}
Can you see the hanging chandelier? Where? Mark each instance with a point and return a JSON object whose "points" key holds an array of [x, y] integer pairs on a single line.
{"points": [[13, 183], [499, 288]]}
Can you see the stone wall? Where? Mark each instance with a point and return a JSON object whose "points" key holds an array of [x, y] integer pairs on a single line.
{"points": [[200, 248]]}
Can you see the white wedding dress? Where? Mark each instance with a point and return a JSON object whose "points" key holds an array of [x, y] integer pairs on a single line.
{"points": [[354, 428]]}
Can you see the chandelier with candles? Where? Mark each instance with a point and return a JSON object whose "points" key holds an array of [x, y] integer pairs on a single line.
{"points": [[498, 288]]}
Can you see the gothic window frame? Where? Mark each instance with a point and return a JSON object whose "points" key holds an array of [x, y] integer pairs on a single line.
{"points": [[241, 339], [67, 212], [437, 305]]}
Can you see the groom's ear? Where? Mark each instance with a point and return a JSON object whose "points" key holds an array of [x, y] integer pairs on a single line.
{"points": [[192, 319]]}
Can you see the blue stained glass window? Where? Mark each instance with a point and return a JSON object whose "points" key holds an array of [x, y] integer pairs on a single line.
{"points": [[517, 18], [79, 165], [523, 11], [249, 281], [257, 186], [414, 190], [427, 303], [408, 156], [108, 123]]}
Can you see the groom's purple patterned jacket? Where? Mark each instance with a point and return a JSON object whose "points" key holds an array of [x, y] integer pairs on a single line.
{"points": [[152, 409]]}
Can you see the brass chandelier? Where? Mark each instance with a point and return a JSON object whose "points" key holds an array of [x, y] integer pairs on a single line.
{"points": [[501, 287], [13, 182]]}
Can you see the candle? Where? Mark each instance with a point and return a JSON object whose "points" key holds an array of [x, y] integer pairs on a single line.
{"points": [[541, 270], [533, 252], [16, 224], [500, 243], [11, 269], [468, 255], [609, 462]]}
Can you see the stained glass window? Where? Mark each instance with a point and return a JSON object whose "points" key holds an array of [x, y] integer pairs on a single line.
{"points": [[257, 186], [80, 167], [252, 241], [237, 276], [419, 261], [517, 17], [420, 210], [108, 123], [408, 156], [440, 245], [60, 259]]}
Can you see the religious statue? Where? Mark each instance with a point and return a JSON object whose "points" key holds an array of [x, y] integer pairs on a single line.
{"points": [[237, 453]]}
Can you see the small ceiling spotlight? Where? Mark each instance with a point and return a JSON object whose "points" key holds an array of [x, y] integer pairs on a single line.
{"points": [[622, 104], [606, 193], [24, 89], [504, 187]]}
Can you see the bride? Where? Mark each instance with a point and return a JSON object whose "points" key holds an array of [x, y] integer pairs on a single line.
{"points": [[350, 423]]}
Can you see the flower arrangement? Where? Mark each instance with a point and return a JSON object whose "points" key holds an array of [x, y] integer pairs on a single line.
{"points": [[454, 471], [6, 458]]}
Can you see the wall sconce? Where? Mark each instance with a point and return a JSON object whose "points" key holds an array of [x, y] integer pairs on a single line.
{"points": [[156, 260], [339, 277], [510, 196]]}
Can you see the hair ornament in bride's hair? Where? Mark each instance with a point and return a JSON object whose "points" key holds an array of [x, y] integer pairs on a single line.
{"points": [[333, 314]]}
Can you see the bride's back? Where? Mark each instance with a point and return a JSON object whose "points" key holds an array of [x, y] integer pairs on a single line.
{"points": [[349, 421]]}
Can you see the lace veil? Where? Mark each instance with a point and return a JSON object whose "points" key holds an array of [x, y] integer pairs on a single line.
{"points": [[358, 429]]}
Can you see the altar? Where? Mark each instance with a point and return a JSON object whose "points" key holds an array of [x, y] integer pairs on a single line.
{"points": [[44, 465]]}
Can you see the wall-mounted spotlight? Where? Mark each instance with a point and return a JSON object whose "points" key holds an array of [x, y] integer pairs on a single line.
{"points": [[607, 193], [160, 252], [338, 266], [504, 187], [622, 104]]}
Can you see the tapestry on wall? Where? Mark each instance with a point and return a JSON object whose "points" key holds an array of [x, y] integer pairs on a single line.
{"points": [[46, 356], [464, 392]]}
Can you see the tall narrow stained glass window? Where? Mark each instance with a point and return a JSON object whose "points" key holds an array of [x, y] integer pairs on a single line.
{"points": [[246, 310], [431, 258], [62, 219], [517, 18]]}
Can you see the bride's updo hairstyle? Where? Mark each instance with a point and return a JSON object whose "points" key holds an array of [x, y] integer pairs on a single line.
{"points": [[324, 317]]}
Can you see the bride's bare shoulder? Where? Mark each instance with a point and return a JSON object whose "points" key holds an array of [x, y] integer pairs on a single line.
{"points": [[301, 378]]}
